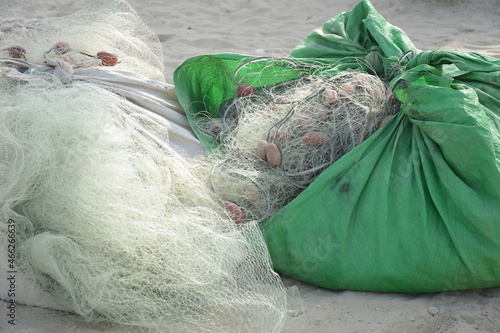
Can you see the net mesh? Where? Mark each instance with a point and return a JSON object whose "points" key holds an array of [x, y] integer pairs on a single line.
{"points": [[110, 220], [279, 138], [110, 26], [115, 226]]}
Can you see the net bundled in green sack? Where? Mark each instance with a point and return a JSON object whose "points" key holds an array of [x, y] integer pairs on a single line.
{"points": [[413, 208]]}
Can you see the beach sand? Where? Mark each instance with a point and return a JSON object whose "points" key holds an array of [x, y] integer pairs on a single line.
{"points": [[274, 27]]}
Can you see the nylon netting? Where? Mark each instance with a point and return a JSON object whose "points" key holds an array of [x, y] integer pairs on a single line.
{"points": [[111, 221], [277, 139], [110, 26]]}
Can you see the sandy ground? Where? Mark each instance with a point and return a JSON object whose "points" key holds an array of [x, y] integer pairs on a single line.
{"points": [[274, 27]]}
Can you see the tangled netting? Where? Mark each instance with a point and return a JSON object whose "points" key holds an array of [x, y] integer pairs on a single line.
{"points": [[100, 26], [279, 138], [111, 221], [115, 226]]}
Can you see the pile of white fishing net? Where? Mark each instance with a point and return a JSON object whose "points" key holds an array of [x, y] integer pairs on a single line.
{"points": [[100, 26], [111, 221]]}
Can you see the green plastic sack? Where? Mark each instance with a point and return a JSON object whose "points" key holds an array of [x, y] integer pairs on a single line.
{"points": [[415, 207]]}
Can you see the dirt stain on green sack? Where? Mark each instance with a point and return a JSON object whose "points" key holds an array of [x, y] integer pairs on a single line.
{"points": [[342, 189], [345, 188]]}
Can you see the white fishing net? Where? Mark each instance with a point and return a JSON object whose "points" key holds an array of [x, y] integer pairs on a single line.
{"points": [[279, 138], [111, 26], [114, 225], [112, 221]]}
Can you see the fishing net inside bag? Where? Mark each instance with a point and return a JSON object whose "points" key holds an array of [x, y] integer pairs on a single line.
{"points": [[372, 165], [112, 221], [277, 139]]}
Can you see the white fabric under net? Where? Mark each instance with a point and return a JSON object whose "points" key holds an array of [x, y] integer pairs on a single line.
{"points": [[113, 221]]}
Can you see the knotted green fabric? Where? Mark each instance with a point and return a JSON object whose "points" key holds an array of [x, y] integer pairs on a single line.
{"points": [[415, 207]]}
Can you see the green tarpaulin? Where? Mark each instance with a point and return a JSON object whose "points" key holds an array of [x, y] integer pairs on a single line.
{"points": [[415, 207]]}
